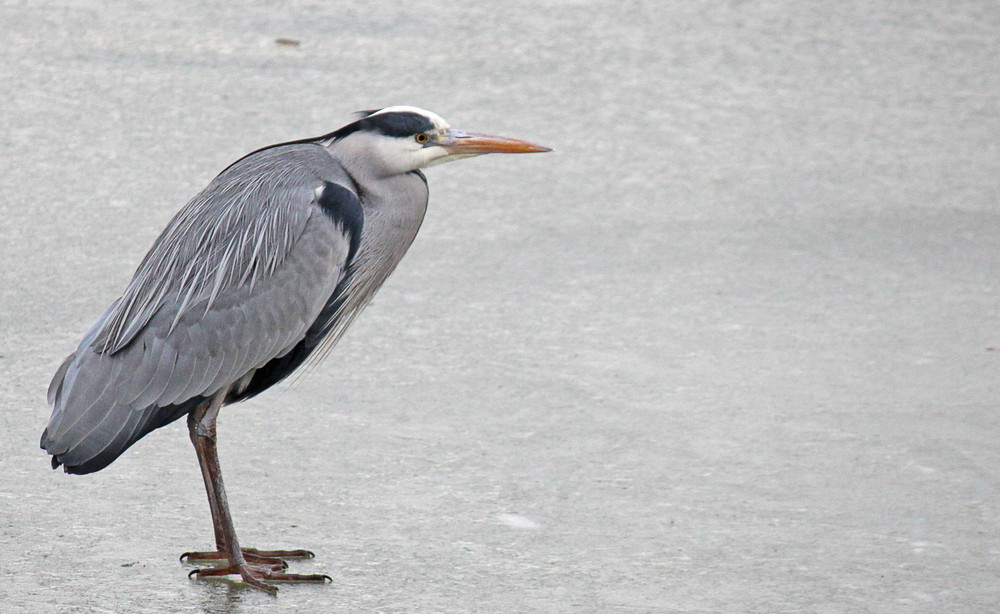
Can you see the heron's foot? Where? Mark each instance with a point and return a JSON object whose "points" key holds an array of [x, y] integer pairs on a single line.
{"points": [[252, 555], [254, 575]]}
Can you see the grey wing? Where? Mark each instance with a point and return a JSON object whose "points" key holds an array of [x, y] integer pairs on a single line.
{"points": [[235, 281]]}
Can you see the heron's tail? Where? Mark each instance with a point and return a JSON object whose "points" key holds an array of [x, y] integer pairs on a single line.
{"points": [[90, 425]]}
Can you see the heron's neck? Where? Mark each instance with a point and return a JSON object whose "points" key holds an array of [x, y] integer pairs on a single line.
{"points": [[394, 208]]}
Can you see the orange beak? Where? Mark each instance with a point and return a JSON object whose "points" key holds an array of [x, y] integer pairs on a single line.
{"points": [[458, 142]]}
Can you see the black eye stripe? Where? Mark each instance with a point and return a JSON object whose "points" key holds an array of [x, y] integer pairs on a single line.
{"points": [[400, 124], [397, 124]]}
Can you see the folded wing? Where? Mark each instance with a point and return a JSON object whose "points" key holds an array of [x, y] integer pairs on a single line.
{"points": [[235, 281]]}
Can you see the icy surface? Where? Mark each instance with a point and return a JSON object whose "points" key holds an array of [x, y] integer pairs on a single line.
{"points": [[732, 347]]}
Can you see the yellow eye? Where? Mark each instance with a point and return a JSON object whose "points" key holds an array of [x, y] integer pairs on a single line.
{"points": [[422, 138]]}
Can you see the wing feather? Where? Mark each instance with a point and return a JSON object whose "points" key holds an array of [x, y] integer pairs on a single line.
{"points": [[185, 369], [166, 360], [141, 375], [240, 227], [202, 337], [55, 386], [92, 390]]}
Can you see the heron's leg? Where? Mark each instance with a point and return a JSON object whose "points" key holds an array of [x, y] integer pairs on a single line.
{"points": [[252, 555], [203, 435], [194, 418]]}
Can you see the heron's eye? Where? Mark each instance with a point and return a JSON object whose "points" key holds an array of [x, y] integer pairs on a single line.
{"points": [[422, 138]]}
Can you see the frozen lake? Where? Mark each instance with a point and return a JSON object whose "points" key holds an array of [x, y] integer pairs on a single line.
{"points": [[732, 347]]}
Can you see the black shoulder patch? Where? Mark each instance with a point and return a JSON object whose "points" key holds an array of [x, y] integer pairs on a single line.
{"points": [[344, 208]]}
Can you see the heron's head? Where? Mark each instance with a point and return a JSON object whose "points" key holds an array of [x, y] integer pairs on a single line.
{"points": [[402, 139]]}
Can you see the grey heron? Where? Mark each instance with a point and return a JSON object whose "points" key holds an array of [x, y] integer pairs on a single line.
{"points": [[262, 270]]}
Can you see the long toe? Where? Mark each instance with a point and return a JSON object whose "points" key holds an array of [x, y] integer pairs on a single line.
{"points": [[252, 555], [228, 570], [281, 576], [279, 554], [248, 573], [215, 555], [254, 575]]}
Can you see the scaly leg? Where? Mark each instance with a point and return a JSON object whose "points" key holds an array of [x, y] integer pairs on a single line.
{"points": [[201, 426]]}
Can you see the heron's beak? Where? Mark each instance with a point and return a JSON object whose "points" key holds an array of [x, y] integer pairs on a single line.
{"points": [[460, 143]]}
